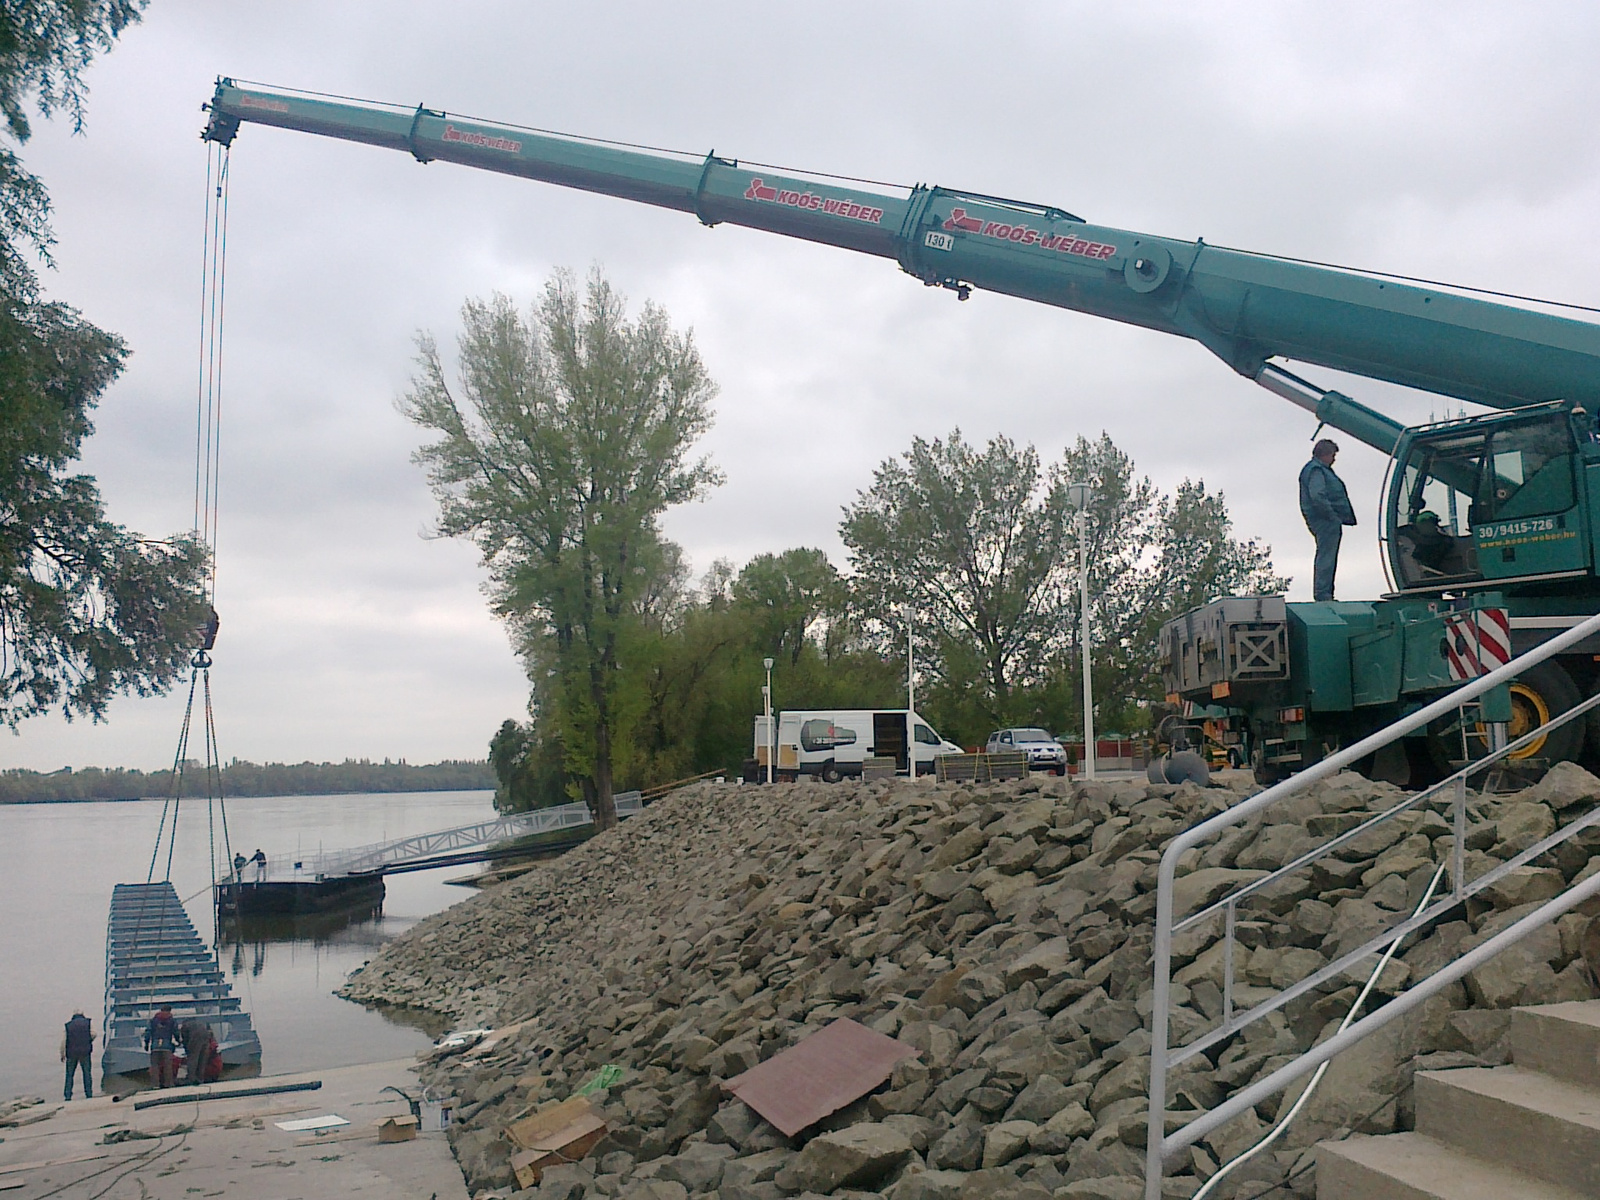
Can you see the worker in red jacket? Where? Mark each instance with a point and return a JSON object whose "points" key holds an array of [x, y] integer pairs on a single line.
{"points": [[161, 1039]]}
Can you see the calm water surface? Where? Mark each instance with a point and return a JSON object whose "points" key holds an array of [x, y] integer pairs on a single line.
{"points": [[59, 862]]}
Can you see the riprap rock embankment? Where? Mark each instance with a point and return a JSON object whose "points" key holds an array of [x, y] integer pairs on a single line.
{"points": [[1003, 931]]}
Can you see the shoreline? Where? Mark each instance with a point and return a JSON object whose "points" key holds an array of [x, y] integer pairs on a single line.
{"points": [[234, 1145], [260, 796]]}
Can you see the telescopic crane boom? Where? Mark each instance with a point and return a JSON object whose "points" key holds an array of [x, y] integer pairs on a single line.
{"points": [[1247, 309], [1491, 523]]}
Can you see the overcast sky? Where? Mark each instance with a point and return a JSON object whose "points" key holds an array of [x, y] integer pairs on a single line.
{"points": [[1450, 141]]}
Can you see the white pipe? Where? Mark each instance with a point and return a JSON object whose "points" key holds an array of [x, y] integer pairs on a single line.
{"points": [[1283, 1122]]}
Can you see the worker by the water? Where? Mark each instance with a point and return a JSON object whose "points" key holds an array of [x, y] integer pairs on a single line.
{"points": [[196, 1034], [77, 1051], [161, 1039], [1325, 505], [260, 860], [239, 864]]}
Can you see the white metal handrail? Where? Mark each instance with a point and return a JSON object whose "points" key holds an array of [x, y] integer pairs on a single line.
{"points": [[1159, 1144]]}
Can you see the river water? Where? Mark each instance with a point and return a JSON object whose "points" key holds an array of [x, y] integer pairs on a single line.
{"points": [[59, 862]]}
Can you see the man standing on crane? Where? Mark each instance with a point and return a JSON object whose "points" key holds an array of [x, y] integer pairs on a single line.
{"points": [[1325, 505]]}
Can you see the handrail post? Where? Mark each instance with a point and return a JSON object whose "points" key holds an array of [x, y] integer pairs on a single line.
{"points": [[1458, 848], [1230, 919], [1160, 998]]}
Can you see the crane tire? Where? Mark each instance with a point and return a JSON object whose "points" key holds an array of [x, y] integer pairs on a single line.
{"points": [[1538, 694]]}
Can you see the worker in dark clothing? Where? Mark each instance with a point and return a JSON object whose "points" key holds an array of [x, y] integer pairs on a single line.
{"points": [[161, 1039], [1325, 505], [196, 1035], [1433, 546], [260, 860], [77, 1051], [239, 864]]}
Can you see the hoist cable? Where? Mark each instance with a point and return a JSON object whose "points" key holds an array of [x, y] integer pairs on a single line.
{"points": [[208, 399], [200, 379], [207, 449], [171, 802]]}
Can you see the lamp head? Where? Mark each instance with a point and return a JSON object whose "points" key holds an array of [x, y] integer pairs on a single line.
{"points": [[1079, 495], [767, 663]]}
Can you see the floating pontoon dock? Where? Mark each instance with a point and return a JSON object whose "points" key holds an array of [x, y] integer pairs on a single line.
{"points": [[154, 957]]}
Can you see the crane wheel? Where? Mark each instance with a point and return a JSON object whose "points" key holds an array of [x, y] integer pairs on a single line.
{"points": [[830, 772], [1537, 695]]}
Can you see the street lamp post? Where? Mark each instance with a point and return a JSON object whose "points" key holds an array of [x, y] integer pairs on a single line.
{"points": [[772, 734], [911, 663], [1079, 496]]}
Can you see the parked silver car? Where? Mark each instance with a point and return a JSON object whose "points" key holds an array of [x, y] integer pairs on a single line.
{"points": [[1043, 751]]}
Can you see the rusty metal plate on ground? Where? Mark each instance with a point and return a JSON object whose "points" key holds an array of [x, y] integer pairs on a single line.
{"points": [[820, 1075]]}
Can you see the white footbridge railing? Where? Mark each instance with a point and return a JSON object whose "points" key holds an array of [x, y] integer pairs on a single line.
{"points": [[1161, 1146], [380, 856]]}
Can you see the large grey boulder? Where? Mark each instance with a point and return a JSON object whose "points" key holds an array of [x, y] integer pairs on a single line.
{"points": [[1565, 785], [861, 1155], [1058, 1133], [1199, 888], [1006, 1141], [698, 1168]]}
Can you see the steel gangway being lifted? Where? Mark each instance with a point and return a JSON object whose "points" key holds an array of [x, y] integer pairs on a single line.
{"points": [[155, 959]]}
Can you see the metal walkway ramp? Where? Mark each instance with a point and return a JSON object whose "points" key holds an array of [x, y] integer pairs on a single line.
{"points": [[424, 847], [154, 957]]}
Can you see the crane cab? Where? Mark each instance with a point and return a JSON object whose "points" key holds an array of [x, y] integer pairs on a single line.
{"points": [[1493, 501]]}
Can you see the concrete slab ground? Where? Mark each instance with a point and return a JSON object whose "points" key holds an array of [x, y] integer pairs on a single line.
{"points": [[231, 1146]]}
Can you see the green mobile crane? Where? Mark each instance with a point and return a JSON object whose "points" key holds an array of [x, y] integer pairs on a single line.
{"points": [[1510, 559]]}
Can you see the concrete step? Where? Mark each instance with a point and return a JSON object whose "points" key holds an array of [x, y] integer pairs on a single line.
{"points": [[1409, 1166], [1521, 1119], [1562, 1040]]}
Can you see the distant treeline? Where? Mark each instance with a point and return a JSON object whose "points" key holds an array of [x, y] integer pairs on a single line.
{"points": [[240, 778]]}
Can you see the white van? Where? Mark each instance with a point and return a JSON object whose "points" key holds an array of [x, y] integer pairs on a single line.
{"points": [[834, 743]]}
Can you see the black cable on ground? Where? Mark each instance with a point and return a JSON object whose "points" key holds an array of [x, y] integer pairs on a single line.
{"points": [[142, 1159]]}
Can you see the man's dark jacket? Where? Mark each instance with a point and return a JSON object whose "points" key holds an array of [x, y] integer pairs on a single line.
{"points": [[80, 1038], [161, 1033], [1323, 499]]}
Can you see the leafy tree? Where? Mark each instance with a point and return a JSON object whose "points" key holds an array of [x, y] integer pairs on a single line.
{"points": [[700, 674], [973, 542], [789, 596], [508, 755], [983, 545], [88, 609], [1151, 557], [575, 437], [45, 46]]}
